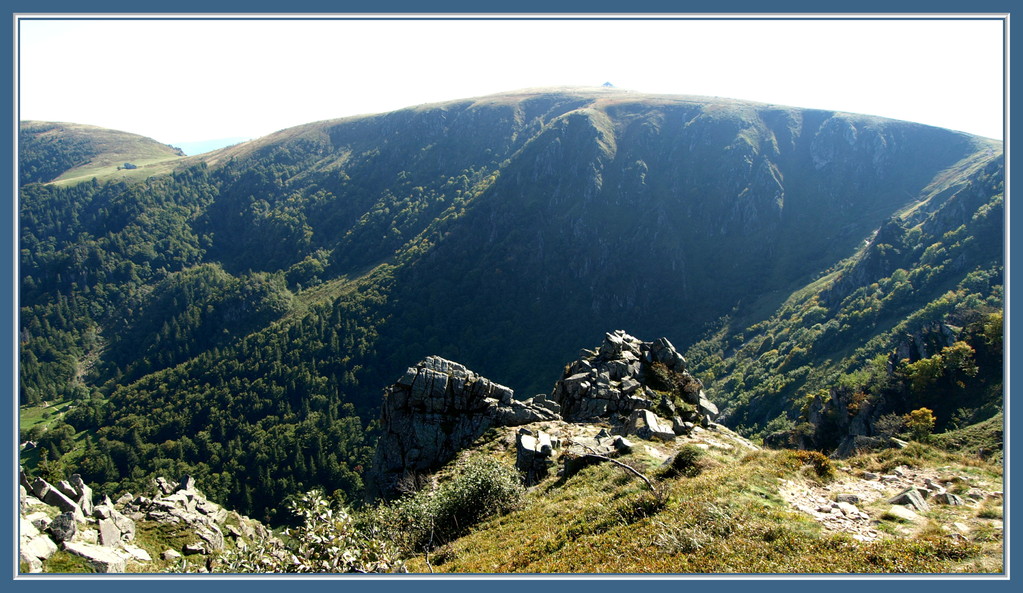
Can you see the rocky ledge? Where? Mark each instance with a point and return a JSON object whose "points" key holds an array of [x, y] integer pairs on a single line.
{"points": [[66, 517], [436, 409], [624, 379], [439, 407]]}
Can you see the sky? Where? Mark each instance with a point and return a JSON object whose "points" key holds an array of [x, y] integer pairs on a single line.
{"points": [[186, 80]]}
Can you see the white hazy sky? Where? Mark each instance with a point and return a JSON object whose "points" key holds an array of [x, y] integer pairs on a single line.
{"points": [[188, 80]]}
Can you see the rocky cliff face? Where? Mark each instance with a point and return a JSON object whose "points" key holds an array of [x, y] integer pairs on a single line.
{"points": [[436, 409], [439, 407]]}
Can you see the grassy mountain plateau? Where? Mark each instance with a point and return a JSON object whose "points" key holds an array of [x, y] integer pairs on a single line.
{"points": [[362, 336]]}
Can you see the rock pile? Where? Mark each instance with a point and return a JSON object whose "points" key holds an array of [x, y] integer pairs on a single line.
{"points": [[66, 517], [614, 383], [438, 408]]}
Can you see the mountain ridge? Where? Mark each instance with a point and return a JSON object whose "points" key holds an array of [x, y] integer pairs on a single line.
{"points": [[265, 293]]}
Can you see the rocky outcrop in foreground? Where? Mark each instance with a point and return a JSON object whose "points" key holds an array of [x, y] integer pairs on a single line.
{"points": [[619, 382], [437, 409], [103, 533], [440, 407]]}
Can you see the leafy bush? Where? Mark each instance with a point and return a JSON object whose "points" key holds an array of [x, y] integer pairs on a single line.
{"points": [[920, 424], [327, 541], [689, 462], [483, 487], [818, 461]]}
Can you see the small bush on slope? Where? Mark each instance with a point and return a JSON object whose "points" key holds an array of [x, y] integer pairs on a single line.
{"points": [[482, 487], [327, 541]]}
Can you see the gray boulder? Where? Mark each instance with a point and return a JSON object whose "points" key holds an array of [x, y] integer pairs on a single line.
{"points": [[115, 529], [186, 484], [533, 455], [911, 498], [623, 445], [33, 545], [63, 527], [947, 498], [102, 559], [40, 547], [84, 494], [647, 425], [109, 534], [55, 498]]}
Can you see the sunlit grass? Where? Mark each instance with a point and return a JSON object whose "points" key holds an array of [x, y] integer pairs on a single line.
{"points": [[727, 519]]}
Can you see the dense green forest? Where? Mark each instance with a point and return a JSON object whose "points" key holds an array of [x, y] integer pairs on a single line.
{"points": [[238, 318]]}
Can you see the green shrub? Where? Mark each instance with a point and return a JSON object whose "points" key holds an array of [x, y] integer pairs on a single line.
{"points": [[482, 488], [818, 461], [327, 541], [689, 462], [920, 424]]}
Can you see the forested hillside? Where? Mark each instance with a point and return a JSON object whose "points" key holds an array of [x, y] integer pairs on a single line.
{"points": [[237, 319]]}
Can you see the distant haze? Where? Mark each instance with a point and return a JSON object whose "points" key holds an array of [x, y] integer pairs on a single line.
{"points": [[194, 148]]}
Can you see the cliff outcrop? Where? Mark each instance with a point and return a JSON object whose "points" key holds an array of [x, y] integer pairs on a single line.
{"points": [[439, 407]]}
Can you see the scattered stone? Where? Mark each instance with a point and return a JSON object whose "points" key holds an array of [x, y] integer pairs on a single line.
{"points": [[623, 445], [910, 497], [849, 498], [976, 494], [135, 553], [904, 513], [63, 527], [948, 498], [39, 520], [169, 555], [100, 558], [647, 425], [38, 546], [35, 565], [848, 509], [109, 534]]}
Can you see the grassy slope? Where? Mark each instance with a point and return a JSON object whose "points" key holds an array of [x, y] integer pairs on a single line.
{"points": [[731, 518], [108, 150]]}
